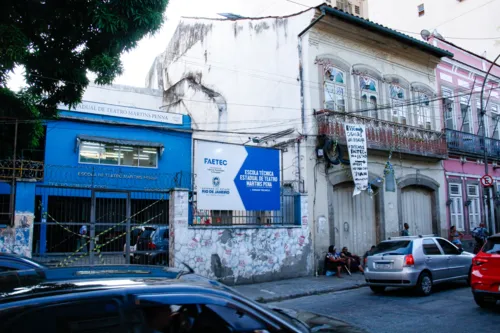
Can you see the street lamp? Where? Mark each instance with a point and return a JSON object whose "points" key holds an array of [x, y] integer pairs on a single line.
{"points": [[492, 226]]}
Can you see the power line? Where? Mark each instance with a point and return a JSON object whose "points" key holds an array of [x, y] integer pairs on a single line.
{"points": [[467, 12]]}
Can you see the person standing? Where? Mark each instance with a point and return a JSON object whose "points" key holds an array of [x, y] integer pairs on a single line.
{"points": [[456, 236], [82, 239], [480, 234], [406, 230]]}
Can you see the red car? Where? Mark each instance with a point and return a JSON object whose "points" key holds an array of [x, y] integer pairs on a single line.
{"points": [[485, 275]]}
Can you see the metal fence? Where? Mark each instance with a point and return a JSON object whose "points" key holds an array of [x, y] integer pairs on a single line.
{"points": [[80, 226], [21, 168], [289, 214]]}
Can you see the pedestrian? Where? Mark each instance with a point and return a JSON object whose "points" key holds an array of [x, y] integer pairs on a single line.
{"points": [[456, 236], [333, 261], [367, 254], [405, 231], [480, 234], [82, 239], [353, 261]]}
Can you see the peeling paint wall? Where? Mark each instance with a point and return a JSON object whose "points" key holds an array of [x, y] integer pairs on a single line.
{"points": [[17, 239], [239, 255]]}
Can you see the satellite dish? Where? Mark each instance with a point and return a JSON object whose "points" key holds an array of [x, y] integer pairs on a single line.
{"points": [[437, 35], [425, 34]]}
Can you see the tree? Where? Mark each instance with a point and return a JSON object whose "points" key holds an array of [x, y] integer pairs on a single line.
{"points": [[58, 42]]}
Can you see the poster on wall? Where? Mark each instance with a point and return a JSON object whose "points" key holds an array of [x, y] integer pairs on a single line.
{"points": [[358, 155], [236, 177]]}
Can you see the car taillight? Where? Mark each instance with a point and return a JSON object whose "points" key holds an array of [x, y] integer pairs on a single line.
{"points": [[479, 261], [409, 261], [151, 246]]}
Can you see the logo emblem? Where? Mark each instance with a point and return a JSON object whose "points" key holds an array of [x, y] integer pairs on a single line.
{"points": [[216, 181]]}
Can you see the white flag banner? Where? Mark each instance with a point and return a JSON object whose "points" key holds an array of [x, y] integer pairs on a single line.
{"points": [[358, 155]]}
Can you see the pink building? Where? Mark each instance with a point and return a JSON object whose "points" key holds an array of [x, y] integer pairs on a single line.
{"points": [[459, 81]]}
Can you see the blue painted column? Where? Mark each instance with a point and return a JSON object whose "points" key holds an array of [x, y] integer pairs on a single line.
{"points": [[24, 216]]}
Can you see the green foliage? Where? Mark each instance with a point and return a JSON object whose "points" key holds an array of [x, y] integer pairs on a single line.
{"points": [[58, 42]]}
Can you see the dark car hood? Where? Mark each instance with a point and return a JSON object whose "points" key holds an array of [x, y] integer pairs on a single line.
{"points": [[321, 323]]}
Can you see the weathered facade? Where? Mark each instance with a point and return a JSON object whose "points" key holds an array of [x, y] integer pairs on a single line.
{"points": [[291, 82], [459, 81]]}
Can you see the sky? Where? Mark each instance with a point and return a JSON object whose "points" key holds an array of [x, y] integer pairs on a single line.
{"points": [[138, 61]]}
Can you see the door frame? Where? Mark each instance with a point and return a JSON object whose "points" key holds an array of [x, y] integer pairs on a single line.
{"points": [[424, 182], [342, 177]]}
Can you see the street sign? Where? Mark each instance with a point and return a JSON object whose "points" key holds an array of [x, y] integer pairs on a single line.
{"points": [[487, 180]]}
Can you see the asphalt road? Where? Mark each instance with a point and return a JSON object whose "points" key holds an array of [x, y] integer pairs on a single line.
{"points": [[450, 308]]}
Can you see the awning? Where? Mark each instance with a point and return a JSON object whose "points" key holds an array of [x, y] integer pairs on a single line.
{"points": [[121, 142]]}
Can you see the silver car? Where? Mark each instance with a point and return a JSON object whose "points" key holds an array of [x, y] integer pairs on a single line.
{"points": [[416, 262]]}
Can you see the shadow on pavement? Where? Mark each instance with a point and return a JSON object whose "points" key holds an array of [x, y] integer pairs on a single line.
{"points": [[442, 287]]}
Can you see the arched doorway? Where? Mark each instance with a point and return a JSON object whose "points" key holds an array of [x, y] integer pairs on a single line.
{"points": [[417, 209], [355, 219], [418, 202]]}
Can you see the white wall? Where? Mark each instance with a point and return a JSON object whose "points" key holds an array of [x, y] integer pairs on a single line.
{"points": [[252, 68], [124, 95], [463, 19]]}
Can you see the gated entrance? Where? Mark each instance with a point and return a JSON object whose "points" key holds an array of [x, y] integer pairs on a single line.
{"points": [[81, 226]]}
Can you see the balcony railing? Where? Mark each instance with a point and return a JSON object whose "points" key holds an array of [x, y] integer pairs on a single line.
{"points": [[385, 135], [472, 145]]}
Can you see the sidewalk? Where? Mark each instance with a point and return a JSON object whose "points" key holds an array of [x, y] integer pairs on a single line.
{"points": [[293, 288]]}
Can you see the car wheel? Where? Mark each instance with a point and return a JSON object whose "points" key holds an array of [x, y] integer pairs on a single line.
{"points": [[424, 284], [484, 303], [377, 289]]}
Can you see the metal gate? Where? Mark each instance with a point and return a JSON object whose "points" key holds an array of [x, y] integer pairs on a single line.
{"points": [[354, 219], [81, 226]]}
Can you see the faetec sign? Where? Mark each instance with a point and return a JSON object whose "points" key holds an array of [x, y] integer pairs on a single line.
{"points": [[235, 177], [124, 112]]}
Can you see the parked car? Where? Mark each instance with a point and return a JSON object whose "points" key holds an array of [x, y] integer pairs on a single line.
{"points": [[152, 246], [417, 262], [485, 279], [14, 262], [138, 299]]}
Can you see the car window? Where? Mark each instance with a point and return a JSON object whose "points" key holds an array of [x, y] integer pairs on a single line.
{"points": [[492, 246], [200, 318], [394, 247], [147, 233], [430, 248], [447, 247]]}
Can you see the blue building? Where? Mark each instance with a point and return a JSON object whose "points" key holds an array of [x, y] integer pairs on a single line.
{"points": [[109, 165]]}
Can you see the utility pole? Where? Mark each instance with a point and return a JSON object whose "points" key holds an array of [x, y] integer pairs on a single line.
{"points": [[489, 195], [13, 183]]}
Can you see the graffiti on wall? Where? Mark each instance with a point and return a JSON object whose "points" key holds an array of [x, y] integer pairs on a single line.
{"points": [[17, 239], [239, 255]]}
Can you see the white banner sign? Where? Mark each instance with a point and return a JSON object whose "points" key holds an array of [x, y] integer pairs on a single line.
{"points": [[358, 155], [124, 112]]}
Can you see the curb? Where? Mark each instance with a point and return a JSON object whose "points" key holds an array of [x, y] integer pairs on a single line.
{"points": [[308, 293]]}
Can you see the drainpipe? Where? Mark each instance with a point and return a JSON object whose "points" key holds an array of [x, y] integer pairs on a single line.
{"points": [[303, 118]]}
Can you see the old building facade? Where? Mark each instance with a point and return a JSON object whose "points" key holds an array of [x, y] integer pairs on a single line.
{"points": [[291, 83], [459, 81]]}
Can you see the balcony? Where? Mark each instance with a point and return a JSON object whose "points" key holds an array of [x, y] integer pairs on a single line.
{"points": [[472, 145], [385, 135]]}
